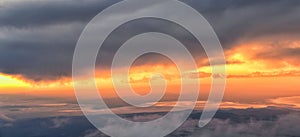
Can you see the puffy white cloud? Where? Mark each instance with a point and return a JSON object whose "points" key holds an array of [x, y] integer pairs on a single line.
{"points": [[60, 122]]}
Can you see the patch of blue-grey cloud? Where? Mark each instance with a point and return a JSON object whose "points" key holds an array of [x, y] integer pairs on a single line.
{"points": [[283, 126]]}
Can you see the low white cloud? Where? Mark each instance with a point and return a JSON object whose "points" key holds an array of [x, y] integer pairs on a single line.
{"points": [[60, 122], [94, 133]]}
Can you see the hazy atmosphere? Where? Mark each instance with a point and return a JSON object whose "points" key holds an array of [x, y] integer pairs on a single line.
{"points": [[261, 45]]}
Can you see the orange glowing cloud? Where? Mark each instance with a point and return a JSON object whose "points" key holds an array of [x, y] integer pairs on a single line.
{"points": [[251, 71]]}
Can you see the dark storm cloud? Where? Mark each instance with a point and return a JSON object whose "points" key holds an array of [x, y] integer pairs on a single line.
{"points": [[39, 52], [234, 20], [37, 38], [46, 12]]}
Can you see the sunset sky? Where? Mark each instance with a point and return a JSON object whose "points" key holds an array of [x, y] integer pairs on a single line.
{"points": [[261, 41]]}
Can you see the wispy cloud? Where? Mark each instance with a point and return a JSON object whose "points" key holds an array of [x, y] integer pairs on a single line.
{"points": [[6, 118]]}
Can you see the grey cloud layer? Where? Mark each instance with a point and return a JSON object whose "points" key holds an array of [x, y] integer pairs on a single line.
{"points": [[284, 126], [39, 13], [37, 38]]}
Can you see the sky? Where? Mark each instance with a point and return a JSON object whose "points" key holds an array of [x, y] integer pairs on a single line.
{"points": [[260, 41]]}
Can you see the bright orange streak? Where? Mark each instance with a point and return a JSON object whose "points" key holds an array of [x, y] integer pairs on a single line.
{"points": [[11, 82]]}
